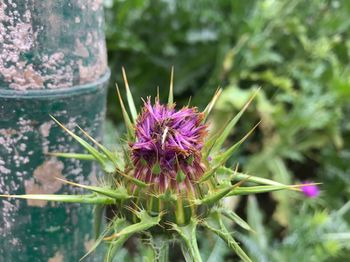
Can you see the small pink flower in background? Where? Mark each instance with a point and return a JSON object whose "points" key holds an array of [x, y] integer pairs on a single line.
{"points": [[310, 191]]}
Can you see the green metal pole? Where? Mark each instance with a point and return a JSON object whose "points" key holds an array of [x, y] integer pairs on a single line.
{"points": [[52, 61]]}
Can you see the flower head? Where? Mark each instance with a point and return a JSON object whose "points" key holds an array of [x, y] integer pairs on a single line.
{"points": [[310, 190], [168, 145]]}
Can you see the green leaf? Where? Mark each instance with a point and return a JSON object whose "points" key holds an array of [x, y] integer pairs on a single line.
{"points": [[237, 176], [255, 219], [146, 222], [260, 189], [83, 199], [208, 145], [99, 238], [107, 152], [236, 219], [208, 174], [116, 244], [122, 234], [214, 197], [215, 224], [93, 151], [73, 155], [188, 235], [226, 132], [128, 124], [223, 157], [133, 179], [211, 104], [118, 193], [129, 97]]}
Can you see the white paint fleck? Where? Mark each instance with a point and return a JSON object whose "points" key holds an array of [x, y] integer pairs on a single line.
{"points": [[81, 50], [45, 128]]}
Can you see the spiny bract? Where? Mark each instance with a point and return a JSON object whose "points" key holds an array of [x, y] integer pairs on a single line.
{"points": [[170, 179]]}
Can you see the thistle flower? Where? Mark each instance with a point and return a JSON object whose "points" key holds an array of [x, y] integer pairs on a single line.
{"points": [[168, 143], [170, 179], [310, 190]]}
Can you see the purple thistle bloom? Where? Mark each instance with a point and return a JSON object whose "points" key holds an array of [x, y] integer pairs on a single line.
{"points": [[168, 146], [310, 191]]}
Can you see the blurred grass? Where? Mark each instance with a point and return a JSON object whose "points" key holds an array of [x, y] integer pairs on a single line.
{"points": [[298, 52]]}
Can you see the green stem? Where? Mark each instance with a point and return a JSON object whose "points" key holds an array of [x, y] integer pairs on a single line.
{"points": [[164, 253], [188, 235]]}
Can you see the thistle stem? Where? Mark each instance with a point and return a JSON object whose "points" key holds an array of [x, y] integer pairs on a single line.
{"points": [[189, 241], [161, 249], [164, 253]]}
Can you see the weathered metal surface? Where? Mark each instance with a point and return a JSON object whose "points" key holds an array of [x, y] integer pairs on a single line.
{"points": [[37, 230], [51, 44], [52, 61]]}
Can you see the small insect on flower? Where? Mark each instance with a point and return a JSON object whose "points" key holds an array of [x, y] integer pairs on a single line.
{"points": [[170, 179]]}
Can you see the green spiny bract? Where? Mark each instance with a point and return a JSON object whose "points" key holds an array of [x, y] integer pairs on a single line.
{"points": [[170, 179]]}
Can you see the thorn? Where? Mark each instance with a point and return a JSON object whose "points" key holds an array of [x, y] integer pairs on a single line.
{"points": [[9, 196], [171, 88], [125, 78], [158, 97], [111, 237], [132, 210], [189, 101], [240, 182]]}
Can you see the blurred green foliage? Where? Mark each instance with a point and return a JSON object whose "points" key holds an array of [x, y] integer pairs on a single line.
{"points": [[298, 52]]}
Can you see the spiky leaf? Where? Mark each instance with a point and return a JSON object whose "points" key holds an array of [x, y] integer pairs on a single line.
{"points": [[116, 193], [171, 88], [128, 124], [211, 104], [236, 219], [129, 97], [146, 222], [228, 128], [83, 199], [93, 151], [260, 189], [215, 224], [73, 156]]}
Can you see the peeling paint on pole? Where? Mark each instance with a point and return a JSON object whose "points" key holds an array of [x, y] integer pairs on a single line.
{"points": [[52, 61], [51, 44]]}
